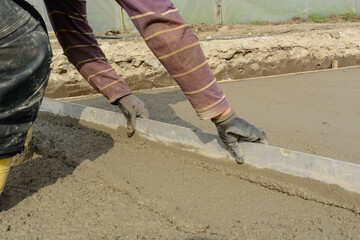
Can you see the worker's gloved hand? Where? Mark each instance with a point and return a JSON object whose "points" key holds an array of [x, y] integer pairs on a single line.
{"points": [[233, 129], [132, 107]]}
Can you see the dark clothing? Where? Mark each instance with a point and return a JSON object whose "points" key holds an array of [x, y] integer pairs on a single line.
{"points": [[165, 32], [25, 57], [31, 9]]}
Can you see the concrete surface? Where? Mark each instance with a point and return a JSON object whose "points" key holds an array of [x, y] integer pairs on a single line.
{"points": [[316, 113], [88, 184]]}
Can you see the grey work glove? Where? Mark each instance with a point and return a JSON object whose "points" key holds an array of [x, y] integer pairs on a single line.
{"points": [[233, 129], [132, 107]]}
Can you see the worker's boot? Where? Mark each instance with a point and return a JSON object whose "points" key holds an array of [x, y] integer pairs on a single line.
{"points": [[4, 172], [28, 152]]}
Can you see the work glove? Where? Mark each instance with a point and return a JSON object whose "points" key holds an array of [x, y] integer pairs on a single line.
{"points": [[233, 129], [132, 107]]}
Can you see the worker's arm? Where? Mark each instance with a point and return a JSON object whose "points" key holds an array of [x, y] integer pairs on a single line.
{"points": [[69, 21], [171, 39], [173, 42], [165, 32]]}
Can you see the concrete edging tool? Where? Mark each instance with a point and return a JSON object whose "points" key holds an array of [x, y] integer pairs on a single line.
{"points": [[331, 171]]}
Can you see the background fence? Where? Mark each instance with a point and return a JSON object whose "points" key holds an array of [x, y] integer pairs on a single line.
{"points": [[107, 14]]}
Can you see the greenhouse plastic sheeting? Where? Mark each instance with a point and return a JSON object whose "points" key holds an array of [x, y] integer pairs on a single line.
{"points": [[39, 5], [243, 11], [198, 11], [326, 7], [356, 6], [102, 15], [194, 11], [106, 14]]}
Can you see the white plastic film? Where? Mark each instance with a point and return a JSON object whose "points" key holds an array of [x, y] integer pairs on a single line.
{"points": [[356, 6], [244, 11], [106, 14], [326, 7], [198, 11], [193, 11], [102, 15], [40, 6]]}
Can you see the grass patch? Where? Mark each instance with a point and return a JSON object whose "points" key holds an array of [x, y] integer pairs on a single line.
{"points": [[318, 19], [350, 16], [258, 22]]}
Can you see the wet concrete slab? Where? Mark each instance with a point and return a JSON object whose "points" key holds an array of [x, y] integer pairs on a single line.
{"points": [[210, 146], [87, 183], [316, 113]]}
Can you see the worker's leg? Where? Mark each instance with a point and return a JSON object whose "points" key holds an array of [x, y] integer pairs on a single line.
{"points": [[25, 57], [176, 46]]}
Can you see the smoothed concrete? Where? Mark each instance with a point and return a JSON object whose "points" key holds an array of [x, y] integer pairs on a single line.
{"points": [[316, 113]]}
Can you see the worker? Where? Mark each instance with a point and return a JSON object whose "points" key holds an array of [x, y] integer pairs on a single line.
{"points": [[165, 32], [25, 58]]}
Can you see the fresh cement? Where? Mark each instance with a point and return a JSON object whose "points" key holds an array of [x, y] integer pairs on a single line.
{"points": [[316, 113], [86, 183]]}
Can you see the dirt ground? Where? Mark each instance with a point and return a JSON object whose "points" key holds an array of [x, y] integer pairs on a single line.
{"points": [[88, 184], [302, 47]]}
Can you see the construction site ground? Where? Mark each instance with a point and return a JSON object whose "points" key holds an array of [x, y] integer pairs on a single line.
{"points": [[301, 47], [93, 183]]}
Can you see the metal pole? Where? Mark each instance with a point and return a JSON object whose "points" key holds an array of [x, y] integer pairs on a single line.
{"points": [[306, 10], [354, 6], [219, 10], [123, 18]]}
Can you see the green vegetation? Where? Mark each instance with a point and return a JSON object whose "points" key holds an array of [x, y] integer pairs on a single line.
{"points": [[350, 16], [258, 22], [318, 18]]}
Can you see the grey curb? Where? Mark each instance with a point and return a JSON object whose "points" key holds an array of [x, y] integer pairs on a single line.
{"points": [[331, 171]]}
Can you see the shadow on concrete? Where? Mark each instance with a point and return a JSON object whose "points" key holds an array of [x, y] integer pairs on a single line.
{"points": [[158, 104], [60, 145]]}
